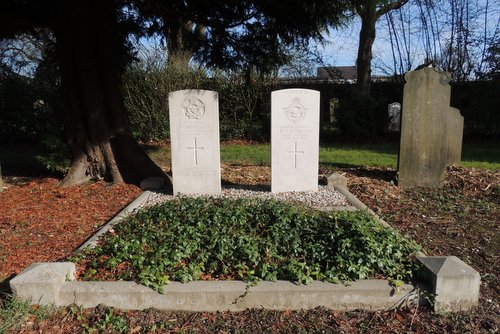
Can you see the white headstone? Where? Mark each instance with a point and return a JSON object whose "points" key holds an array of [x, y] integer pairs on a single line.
{"points": [[394, 110], [294, 140], [194, 135]]}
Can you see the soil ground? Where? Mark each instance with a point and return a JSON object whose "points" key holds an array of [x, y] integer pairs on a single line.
{"points": [[40, 221]]}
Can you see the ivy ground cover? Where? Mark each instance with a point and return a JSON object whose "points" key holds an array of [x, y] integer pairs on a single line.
{"points": [[208, 238]]}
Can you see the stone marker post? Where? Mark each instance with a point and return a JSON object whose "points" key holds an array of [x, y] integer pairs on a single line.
{"points": [[431, 131], [394, 111], [294, 140], [194, 135]]}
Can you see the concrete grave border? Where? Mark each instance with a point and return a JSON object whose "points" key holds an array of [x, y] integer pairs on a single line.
{"points": [[454, 284], [52, 284]]}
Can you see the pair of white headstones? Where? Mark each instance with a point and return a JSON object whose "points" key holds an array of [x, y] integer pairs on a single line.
{"points": [[195, 148]]}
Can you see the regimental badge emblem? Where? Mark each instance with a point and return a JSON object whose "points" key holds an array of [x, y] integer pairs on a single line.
{"points": [[295, 112], [193, 108]]}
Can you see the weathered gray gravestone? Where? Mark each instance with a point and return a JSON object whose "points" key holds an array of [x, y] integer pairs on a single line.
{"points": [[455, 130], [294, 140], [194, 135], [431, 131], [394, 110]]}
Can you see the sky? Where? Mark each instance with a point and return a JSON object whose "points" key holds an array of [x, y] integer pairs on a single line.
{"points": [[342, 44], [341, 47]]}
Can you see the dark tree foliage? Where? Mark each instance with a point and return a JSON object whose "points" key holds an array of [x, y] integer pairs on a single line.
{"points": [[236, 34], [91, 51]]}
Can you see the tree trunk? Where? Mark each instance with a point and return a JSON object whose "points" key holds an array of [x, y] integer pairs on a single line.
{"points": [[366, 39], [90, 52], [179, 53], [183, 40]]}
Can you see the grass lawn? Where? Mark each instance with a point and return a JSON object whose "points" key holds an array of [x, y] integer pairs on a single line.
{"points": [[32, 160], [478, 155]]}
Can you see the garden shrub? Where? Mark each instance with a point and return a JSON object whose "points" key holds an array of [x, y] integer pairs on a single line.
{"points": [[478, 102], [28, 109], [145, 94], [29, 114], [242, 105]]}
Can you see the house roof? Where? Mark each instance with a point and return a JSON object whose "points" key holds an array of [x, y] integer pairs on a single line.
{"points": [[337, 72]]}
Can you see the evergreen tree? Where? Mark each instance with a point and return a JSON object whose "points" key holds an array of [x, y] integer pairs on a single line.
{"points": [[92, 50]]}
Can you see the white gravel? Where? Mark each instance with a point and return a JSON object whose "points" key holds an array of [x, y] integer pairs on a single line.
{"points": [[325, 197]]}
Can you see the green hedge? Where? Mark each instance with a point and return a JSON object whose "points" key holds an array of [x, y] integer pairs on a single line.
{"points": [[28, 111], [146, 99], [479, 103], [29, 107]]}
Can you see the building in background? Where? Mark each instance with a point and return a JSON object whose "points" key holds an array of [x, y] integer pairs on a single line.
{"points": [[344, 74]]}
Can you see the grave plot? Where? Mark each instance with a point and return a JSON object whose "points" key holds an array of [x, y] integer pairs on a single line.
{"points": [[297, 257], [48, 283], [189, 239]]}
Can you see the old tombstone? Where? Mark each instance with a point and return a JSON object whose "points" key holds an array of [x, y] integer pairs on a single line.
{"points": [[431, 131], [294, 140], [394, 110], [455, 129], [194, 135]]}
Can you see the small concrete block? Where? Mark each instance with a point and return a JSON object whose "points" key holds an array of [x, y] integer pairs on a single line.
{"points": [[152, 183], [455, 284], [40, 283], [337, 179]]}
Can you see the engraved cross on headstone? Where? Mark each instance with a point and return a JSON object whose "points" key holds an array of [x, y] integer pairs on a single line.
{"points": [[295, 152], [195, 148]]}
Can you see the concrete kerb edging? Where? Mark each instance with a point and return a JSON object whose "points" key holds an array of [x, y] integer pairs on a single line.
{"points": [[358, 204], [52, 284], [454, 283], [130, 208]]}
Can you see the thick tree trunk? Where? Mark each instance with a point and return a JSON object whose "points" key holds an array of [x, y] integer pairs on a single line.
{"points": [[183, 38], [179, 53], [369, 14], [89, 51], [366, 39]]}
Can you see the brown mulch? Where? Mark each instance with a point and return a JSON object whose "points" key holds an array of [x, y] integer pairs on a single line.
{"points": [[42, 222]]}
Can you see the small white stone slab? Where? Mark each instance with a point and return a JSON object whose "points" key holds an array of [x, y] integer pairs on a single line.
{"points": [[194, 135], [294, 140], [394, 111]]}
